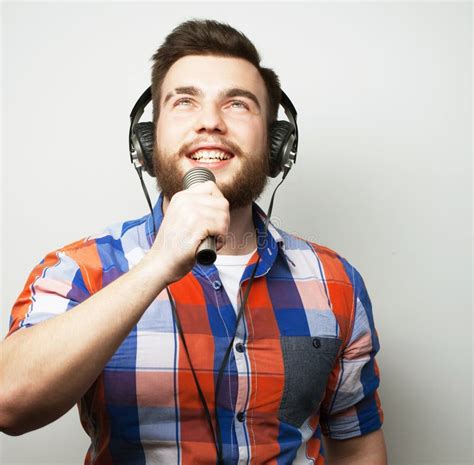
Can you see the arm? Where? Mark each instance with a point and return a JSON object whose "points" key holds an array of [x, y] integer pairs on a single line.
{"points": [[351, 414], [362, 450], [47, 368]]}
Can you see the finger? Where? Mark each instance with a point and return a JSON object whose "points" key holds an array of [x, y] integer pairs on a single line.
{"points": [[204, 200], [209, 219], [208, 187], [220, 241], [189, 199]]}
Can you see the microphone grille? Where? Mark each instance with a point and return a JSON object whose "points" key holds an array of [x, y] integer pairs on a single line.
{"points": [[196, 175]]}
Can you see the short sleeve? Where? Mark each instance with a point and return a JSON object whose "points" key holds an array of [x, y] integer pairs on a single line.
{"points": [[55, 286], [354, 407]]}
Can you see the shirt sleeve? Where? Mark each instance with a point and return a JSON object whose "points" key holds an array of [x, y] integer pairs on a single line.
{"points": [[55, 286], [354, 408]]}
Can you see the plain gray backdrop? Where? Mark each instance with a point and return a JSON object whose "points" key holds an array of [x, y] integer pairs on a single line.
{"points": [[383, 176]]}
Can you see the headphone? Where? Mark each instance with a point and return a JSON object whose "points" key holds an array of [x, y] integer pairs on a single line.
{"points": [[283, 137]]}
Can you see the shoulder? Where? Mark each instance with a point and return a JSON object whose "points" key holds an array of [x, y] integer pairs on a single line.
{"points": [[113, 250], [335, 266], [333, 272], [131, 233]]}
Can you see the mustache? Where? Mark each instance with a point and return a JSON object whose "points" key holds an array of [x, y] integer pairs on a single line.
{"points": [[228, 144]]}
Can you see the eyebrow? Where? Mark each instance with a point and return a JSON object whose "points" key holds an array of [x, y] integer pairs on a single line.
{"points": [[236, 92], [227, 93], [188, 90]]}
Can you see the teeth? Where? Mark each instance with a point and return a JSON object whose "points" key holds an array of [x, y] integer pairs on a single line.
{"points": [[209, 155]]}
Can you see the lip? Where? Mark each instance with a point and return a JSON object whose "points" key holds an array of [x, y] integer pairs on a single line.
{"points": [[210, 164], [222, 148]]}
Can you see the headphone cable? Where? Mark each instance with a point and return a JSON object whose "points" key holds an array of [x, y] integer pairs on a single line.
{"points": [[139, 170], [216, 432]]}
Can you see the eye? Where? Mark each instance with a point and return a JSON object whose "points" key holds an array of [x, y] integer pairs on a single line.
{"points": [[185, 101], [239, 104]]}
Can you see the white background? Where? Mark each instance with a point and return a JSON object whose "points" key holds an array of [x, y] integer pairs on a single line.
{"points": [[384, 171]]}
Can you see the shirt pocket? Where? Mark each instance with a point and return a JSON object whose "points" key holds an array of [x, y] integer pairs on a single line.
{"points": [[308, 361]]}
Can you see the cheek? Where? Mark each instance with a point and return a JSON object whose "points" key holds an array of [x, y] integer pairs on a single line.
{"points": [[252, 137], [259, 140], [167, 133]]}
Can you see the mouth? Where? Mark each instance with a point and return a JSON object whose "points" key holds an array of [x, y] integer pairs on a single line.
{"points": [[210, 156]]}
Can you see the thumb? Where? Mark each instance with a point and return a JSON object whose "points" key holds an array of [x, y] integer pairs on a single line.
{"points": [[220, 241]]}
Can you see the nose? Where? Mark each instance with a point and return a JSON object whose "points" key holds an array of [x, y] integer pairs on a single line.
{"points": [[209, 119]]}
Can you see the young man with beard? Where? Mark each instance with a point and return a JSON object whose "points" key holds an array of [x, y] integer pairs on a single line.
{"points": [[128, 326]]}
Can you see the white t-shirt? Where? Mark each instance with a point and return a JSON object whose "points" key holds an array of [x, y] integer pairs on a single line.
{"points": [[231, 269]]}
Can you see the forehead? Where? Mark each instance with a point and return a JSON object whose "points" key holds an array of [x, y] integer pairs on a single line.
{"points": [[211, 74]]}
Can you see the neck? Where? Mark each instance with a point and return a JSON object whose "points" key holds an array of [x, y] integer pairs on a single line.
{"points": [[241, 238]]}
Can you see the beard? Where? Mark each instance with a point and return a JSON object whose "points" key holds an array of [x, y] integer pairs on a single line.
{"points": [[246, 185]]}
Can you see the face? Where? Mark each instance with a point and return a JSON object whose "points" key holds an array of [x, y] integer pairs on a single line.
{"points": [[213, 114]]}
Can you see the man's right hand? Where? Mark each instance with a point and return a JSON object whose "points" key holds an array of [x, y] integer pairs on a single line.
{"points": [[81, 341], [192, 215]]}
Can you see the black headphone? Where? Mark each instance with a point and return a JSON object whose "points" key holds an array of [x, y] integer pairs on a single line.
{"points": [[283, 134]]}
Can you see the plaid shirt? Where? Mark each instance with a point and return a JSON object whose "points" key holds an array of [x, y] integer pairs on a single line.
{"points": [[302, 363]]}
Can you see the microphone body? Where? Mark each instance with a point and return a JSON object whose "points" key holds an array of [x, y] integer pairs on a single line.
{"points": [[206, 252]]}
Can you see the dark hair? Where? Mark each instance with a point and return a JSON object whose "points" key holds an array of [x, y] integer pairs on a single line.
{"points": [[209, 37]]}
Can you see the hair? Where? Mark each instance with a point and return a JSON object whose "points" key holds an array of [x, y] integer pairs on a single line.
{"points": [[209, 37]]}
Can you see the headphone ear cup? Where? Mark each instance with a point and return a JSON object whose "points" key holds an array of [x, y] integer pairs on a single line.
{"points": [[280, 133], [145, 133]]}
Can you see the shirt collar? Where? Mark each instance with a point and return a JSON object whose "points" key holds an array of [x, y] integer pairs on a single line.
{"points": [[267, 244], [259, 218], [157, 218]]}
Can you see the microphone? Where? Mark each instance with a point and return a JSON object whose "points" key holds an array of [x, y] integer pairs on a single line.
{"points": [[206, 252]]}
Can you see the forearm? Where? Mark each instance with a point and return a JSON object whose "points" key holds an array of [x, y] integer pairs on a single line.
{"points": [[45, 369], [368, 449]]}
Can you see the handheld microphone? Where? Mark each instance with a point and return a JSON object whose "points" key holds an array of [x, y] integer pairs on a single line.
{"points": [[206, 252]]}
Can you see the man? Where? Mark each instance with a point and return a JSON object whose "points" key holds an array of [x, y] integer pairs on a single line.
{"points": [[128, 326]]}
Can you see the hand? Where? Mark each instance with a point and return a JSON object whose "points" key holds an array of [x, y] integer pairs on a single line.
{"points": [[192, 215]]}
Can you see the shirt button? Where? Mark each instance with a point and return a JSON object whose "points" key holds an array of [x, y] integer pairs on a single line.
{"points": [[316, 343], [241, 416], [216, 285], [239, 347]]}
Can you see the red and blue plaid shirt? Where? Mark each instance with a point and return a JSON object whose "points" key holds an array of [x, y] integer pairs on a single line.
{"points": [[302, 364]]}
